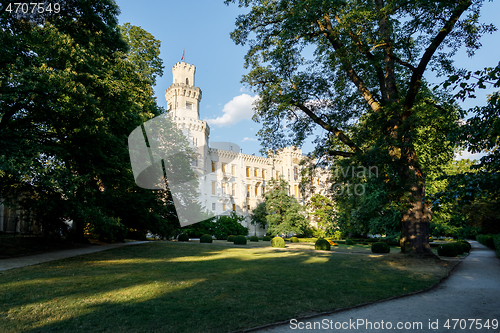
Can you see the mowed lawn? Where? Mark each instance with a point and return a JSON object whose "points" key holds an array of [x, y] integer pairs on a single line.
{"points": [[173, 287]]}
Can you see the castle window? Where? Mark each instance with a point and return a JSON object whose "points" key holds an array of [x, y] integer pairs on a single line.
{"points": [[234, 207], [189, 105], [223, 188], [248, 191], [263, 174], [187, 81], [296, 191], [277, 175], [213, 188], [234, 189], [255, 172], [295, 173], [195, 161], [213, 206], [248, 207], [223, 167], [224, 207], [213, 166], [256, 188], [263, 189], [248, 171], [233, 170]]}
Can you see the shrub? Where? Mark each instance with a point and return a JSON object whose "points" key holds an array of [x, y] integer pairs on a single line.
{"points": [[206, 239], [266, 238], [380, 247], [322, 244], [278, 242], [496, 242], [183, 238], [294, 240], [449, 250], [254, 239], [349, 242], [224, 225], [486, 240], [240, 240], [230, 238], [465, 246], [337, 235]]}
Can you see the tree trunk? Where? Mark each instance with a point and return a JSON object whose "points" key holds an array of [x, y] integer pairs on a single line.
{"points": [[415, 222]]}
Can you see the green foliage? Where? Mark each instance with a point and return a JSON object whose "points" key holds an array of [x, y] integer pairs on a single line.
{"points": [[254, 239], [371, 103], [294, 240], [496, 242], [266, 238], [380, 247], [259, 215], [322, 244], [278, 242], [450, 249], [108, 230], [285, 214], [230, 238], [486, 240], [349, 242], [221, 226], [240, 240], [206, 239], [337, 235], [323, 212], [466, 247], [183, 238]]}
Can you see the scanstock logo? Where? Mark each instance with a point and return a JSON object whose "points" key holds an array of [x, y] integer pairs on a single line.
{"points": [[163, 158]]}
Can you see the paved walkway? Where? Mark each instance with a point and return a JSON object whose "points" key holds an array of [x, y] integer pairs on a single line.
{"points": [[11, 263], [471, 292]]}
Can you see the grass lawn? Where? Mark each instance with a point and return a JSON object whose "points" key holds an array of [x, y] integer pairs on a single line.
{"points": [[173, 287]]}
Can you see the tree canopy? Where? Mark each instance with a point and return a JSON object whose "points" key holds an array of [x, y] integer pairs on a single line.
{"points": [[355, 70]]}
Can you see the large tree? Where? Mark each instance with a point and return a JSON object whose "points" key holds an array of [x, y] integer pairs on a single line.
{"points": [[355, 69]]}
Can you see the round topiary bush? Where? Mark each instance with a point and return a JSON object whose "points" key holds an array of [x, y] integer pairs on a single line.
{"points": [[254, 239], [278, 242], [380, 247], [349, 242], [294, 240], [183, 238], [240, 240], [266, 238], [322, 244], [206, 239], [448, 250], [230, 238]]}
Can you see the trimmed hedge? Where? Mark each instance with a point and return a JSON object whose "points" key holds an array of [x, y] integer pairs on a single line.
{"points": [[230, 238], [254, 239], [294, 240], [450, 249], [183, 238], [496, 242], [380, 247], [240, 240], [278, 242], [349, 242], [465, 246], [322, 244], [206, 239], [486, 240], [266, 238]]}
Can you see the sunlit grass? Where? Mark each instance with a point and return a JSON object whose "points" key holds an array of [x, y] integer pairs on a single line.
{"points": [[172, 287]]}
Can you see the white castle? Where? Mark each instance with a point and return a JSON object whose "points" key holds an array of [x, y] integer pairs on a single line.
{"points": [[230, 180]]}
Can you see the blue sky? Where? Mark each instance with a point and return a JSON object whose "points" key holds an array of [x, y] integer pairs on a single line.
{"points": [[202, 28]]}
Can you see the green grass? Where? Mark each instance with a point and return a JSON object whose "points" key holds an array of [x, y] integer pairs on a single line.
{"points": [[192, 287]]}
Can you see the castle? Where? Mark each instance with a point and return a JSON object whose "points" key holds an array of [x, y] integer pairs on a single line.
{"points": [[230, 180]]}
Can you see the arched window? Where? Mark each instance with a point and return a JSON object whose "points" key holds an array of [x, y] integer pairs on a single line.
{"points": [[187, 82]]}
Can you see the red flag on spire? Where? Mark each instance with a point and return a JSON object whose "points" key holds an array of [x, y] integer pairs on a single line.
{"points": [[183, 54]]}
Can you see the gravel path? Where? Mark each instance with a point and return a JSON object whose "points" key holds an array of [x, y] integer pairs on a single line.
{"points": [[471, 296]]}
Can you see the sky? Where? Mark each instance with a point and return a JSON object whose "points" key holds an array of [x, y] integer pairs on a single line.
{"points": [[202, 28]]}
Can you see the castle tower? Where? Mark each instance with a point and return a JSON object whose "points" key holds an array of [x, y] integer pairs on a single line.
{"points": [[182, 94]]}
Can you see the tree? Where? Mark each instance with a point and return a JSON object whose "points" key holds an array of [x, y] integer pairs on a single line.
{"points": [[284, 213], [258, 216], [70, 95], [322, 208], [362, 85]]}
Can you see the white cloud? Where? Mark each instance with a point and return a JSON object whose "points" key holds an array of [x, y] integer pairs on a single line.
{"points": [[249, 139], [466, 154], [239, 108]]}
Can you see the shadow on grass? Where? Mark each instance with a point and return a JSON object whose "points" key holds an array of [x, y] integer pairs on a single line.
{"points": [[165, 287]]}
